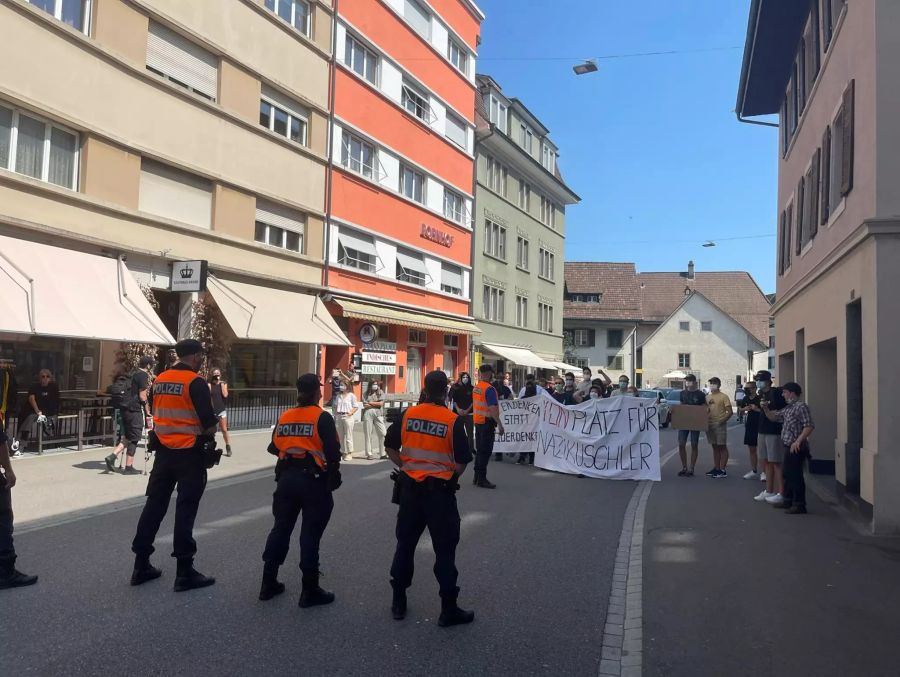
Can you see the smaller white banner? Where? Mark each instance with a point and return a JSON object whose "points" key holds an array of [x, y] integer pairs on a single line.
{"points": [[379, 358], [382, 369]]}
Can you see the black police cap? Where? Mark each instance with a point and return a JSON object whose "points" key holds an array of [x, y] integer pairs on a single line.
{"points": [[308, 383], [188, 347]]}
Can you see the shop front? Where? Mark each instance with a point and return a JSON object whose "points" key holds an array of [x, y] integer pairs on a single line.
{"points": [[398, 346]]}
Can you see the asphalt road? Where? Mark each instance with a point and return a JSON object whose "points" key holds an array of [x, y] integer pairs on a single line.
{"points": [[535, 563]]}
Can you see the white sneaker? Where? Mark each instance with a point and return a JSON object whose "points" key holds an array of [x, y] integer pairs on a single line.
{"points": [[762, 477], [17, 453], [775, 499], [752, 475], [763, 496]]}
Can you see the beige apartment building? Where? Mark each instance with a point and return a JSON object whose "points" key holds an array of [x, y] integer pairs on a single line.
{"points": [[139, 134], [829, 69]]}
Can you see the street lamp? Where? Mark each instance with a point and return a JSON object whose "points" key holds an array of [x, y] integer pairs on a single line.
{"points": [[709, 243], [589, 66]]}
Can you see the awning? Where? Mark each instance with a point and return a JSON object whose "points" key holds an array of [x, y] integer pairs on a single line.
{"points": [[268, 314], [51, 291], [675, 374], [407, 318], [520, 356], [359, 243], [412, 263], [451, 276], [567, 367]]}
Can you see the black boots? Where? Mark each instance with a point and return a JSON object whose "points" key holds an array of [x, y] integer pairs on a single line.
{"points": [[485, 483], [271, 586], [451, 614], [312, 594], [188, 578], [10, 577], [398, 606], [143, 571]]}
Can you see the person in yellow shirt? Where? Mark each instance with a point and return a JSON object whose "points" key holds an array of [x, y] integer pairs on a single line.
{"points": [[720, 410]]}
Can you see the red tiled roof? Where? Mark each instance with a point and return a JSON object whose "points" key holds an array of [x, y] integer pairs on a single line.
{"points": [[617, 282], [652, 297]]}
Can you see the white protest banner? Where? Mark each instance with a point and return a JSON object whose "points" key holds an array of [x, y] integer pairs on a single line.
{"points": [[614, 438]]}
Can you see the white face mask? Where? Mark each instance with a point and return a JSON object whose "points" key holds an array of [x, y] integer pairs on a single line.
{"points": [[595, 396], [587, 376], [623, 385], [374, 388], [465, 380], [690, 385], [570, 381], [760, 385], [713, 388], [343, 388]]}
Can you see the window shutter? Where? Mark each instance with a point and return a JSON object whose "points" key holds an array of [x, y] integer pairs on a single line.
{"points": [[592, 337], [275, 215], [175, 195], [814, 197], [825, 177], [781, 243], [847, 141], [801, 213], [182, 60]]}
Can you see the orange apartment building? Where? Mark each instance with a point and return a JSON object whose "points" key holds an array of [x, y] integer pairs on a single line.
{"points": [[399, 236]]}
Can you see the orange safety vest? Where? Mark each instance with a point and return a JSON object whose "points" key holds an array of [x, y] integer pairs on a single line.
{"points": [[481, 413], [426, 442], [297, 434], [175, 419]]}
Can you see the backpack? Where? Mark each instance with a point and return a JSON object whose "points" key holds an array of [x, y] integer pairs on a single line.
{"points": [[117, 392]]}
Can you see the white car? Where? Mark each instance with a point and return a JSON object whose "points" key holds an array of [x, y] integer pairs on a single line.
{"points": [[662, 405]]}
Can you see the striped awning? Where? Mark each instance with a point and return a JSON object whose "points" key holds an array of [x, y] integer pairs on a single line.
{"points": [[408, 318]]}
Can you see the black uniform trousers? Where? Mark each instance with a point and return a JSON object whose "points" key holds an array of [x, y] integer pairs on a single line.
{"points": [[186, 469], [484, 447], [298, 490], [434, 507], [7, 551], [794, 482]]}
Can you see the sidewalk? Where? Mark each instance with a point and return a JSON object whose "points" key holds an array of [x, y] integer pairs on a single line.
{"points": [[736, 587], [59, 483]]}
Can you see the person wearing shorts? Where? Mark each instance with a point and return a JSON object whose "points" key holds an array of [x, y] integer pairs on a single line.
{"points": [[720, 410], [218, 391], [693, 396], [770, 448]]}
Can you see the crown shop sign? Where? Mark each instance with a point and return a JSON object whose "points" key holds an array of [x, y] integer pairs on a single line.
{"points": [[189, 276]]}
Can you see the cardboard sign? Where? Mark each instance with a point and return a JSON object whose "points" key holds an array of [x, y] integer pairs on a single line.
{"points": [[690, 417]]}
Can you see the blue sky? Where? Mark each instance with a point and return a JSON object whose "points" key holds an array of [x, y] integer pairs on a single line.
{"points": [[651, 144]]}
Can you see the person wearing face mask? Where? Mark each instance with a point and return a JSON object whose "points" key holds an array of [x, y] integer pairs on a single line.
{"points": [[720, 410], [623, 387], [461, 404], [691, 395], [770, 448], [797, 426], [751, 428], [345, 407], [486, 416], [218, 389], [374, 428], [530, 390]]}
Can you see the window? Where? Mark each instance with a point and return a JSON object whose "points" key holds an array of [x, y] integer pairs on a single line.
{"points": [[771, 342], [546, 264], [418, 337], [173, 194], [451, 341], [787, 218], [614, 338], [415, 101], [494, 239], [451, 279], [841, 143], [584, 338], [706, 325], [684, 360], [524, 195], [39, 149], [357, 251], [545, 317], [357, 155], [492, 303], [811, 60], [411, 268], [181, 62], [497, 176], [75, 13], [684, 326], [584, 298], [295, 12], [412, 184], [282, 116], [360, 59], [458, 56], [771, 366], [457, 131], [615, 362], [454, 206], [582, 363], [548, 212], [808, 220], [497, 112], [548, 158], [279, 227], [418, 17], [831, 13], [526, 138], [521, 311], [522, 252]]}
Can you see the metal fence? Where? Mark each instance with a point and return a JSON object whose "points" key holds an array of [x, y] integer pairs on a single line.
{"points": [[257, 408]]}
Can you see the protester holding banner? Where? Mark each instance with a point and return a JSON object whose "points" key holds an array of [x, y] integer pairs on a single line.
{"points": [[693, 397], [487, 419], [530, 390]]}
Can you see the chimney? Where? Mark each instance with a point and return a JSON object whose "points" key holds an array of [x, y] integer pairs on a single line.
{"points": [[690, 273]]}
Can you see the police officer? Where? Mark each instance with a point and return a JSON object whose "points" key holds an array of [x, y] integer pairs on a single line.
{"points": [[486, 416], [185, 425], [308, 470], [430, 446], [10, 577]]}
